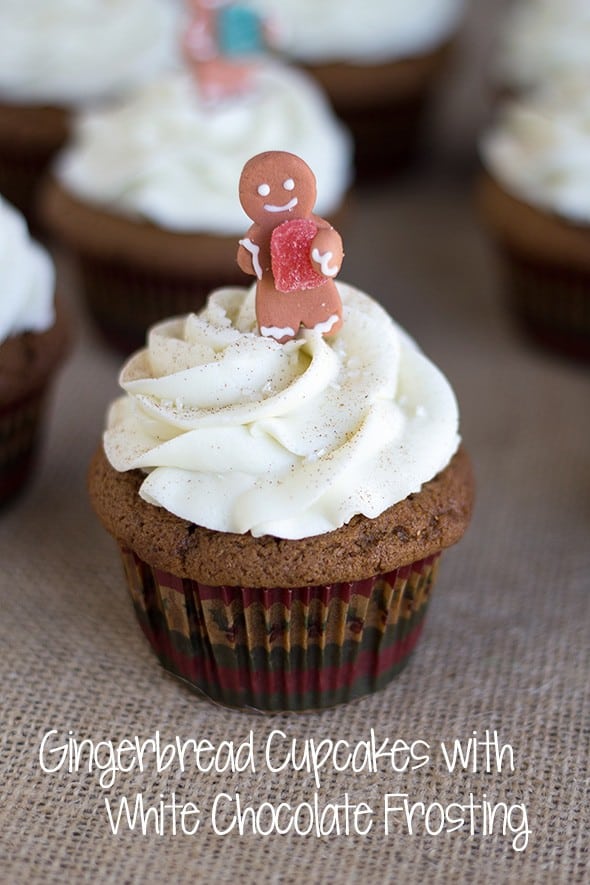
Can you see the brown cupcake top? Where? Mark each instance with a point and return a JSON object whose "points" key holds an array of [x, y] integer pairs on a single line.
{"points": [[423, 524]]}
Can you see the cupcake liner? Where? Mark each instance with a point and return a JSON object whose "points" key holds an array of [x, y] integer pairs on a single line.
{"points": [[386, 136], [20, 423], [21, 171], [30, 136], [550, 302], [124, 300], [282, 649]]}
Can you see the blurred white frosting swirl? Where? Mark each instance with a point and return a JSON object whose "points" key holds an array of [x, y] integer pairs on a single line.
{"points": [[360, 31], [72, 52], [539, 149], [27, 278]]}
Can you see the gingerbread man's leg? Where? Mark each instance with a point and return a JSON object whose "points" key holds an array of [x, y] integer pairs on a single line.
{"points": [[321, 308], [277, 313]]}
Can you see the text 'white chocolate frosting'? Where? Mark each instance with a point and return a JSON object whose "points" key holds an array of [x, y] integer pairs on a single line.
{"points": [[539, 150], [240, 434], [27, 278], [71, 52], [166, 156]]}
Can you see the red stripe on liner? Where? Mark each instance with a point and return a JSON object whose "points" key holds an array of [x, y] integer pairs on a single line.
{"points": [[204, 671]]}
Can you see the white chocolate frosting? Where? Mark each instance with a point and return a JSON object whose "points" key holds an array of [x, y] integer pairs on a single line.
{"points": [[27, 278], [238, 433], [360, 31], [71, 52], [165, 156], [539, 150], [542, 41]]}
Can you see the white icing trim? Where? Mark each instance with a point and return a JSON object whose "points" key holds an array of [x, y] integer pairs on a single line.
{"points": [[327, 324], [276, 331], [324, 261], [286, 208], [254, 251]]}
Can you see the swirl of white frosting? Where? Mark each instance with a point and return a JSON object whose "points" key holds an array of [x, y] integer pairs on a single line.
{"points": [[241, 434], [27, 278], [70, 52], [543, 41], [360, 31], [539, 150], [166, 156]]}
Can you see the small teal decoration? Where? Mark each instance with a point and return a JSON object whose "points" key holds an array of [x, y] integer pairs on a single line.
{"points": [[239, 31]]}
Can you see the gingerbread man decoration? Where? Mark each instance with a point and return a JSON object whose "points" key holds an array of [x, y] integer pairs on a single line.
{"points": [[221, 44], [293, 253]]}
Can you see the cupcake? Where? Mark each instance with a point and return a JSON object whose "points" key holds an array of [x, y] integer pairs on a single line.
{"points": [[62, 55], [535, 200], [32, 343], [281, 502], [378, 62], [541, 42], [143, 198]]}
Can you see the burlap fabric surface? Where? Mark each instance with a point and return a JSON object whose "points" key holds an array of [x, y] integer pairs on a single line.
{"points": [[505, 649]]}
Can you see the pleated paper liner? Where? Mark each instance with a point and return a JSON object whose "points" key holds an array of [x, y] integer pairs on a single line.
{"points": [[282, 649], [30, 136], [550, 302], [20, 424], [124, 301]]}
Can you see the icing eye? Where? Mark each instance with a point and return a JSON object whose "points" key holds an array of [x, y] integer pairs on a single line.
{"points": [[289, 184], [264, 190]]}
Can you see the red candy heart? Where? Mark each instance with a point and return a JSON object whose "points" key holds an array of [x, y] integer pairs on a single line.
{"points": [[290, 246]]}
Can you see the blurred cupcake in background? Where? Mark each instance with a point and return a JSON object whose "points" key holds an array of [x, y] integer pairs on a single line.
{"points": [[62, 55], [33, 341], [378, 60], [144, 196], [535, 200], [542, 42]]}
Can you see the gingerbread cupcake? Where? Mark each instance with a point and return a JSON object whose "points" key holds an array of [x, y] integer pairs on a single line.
{"points": [[535, 200], [63, 55], [281, 487], [379, 63], [32, 344]]}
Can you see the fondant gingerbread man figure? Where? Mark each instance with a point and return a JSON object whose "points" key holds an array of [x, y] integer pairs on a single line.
{"points": [[294, 254], [221, 44]]}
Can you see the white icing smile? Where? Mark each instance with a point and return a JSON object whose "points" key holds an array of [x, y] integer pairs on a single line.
{"points": [[286, 208]]}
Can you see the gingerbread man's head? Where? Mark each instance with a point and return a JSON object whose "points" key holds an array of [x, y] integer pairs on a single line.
{"points": [[276, 186]]}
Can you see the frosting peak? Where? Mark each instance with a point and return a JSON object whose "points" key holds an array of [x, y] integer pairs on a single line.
{"points": [[241, 434]]}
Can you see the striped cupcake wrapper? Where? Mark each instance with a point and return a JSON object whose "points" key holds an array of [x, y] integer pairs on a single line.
{"points": [[19, 432], [282, 649]]}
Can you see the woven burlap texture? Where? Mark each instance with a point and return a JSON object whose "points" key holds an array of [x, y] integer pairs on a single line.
{"points": [[505, 647]]}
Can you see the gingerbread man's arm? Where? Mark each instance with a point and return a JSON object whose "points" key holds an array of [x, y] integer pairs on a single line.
{"points": [[248, 257], [326, 252]]}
